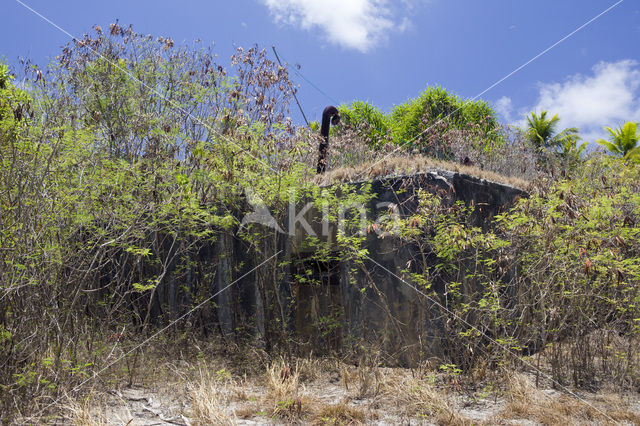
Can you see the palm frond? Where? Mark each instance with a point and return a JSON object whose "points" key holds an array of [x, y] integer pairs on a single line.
{"points": [[609, 146]]}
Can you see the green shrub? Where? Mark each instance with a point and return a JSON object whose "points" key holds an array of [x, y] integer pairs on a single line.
{"points": [[558, 273], [114, 174], [425, 122], [444, 111], [367, 119]]}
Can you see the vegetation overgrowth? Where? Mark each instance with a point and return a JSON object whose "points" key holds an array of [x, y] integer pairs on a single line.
{"points": [[126, 160]]}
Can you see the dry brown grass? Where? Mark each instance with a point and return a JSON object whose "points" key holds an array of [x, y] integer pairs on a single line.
{"points": [[311, 369], [367, 393], [525, 401], [84, 413], [364, 381], [283, 394], [399, 390], [209, 398], [282, 382], [419, 398], [409, 165], [338, 414]]}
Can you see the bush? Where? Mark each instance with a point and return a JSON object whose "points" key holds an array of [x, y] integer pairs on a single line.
{"points": [[443, 111], [371, 123], [119, 169], [427, 123], [558, 273]]}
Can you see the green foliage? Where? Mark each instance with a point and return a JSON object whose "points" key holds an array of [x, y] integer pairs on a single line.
{"points": [[425, 123], [541, 132], [370, 122], [623, 141], [450, 369], [15, 105], [570, 146], [122, 191], [560, 271], [117, 171], [554, 151], [5, 77], [436, 106]]}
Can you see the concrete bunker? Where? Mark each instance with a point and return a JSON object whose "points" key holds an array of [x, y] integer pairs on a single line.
{"points": [[312, 293], [374, 302]]}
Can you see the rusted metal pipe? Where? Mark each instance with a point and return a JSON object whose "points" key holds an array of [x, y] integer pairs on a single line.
{"points": [[330, 116]]}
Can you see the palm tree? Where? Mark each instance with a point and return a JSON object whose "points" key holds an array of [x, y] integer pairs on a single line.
{"points": [[540, 129], [541, 132], [623, 141]]}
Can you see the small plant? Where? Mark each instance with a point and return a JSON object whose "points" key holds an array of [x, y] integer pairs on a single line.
{"points": [[451, 369], [291, 409], [283, 391]]}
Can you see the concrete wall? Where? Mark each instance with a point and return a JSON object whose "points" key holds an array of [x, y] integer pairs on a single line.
{"points": [[347, 303], [375, 304]]}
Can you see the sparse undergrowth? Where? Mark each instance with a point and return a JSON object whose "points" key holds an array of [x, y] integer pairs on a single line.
{"points": [[208, 389]]}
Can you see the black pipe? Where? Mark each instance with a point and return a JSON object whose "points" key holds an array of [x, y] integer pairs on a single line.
{"points": [[330, 116]]}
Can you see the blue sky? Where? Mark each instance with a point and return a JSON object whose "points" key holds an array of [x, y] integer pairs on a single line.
{"points": [[386, 51]]}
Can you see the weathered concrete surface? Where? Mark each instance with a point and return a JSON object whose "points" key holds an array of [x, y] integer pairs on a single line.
{"points": [[333, 304], [376, 302]]}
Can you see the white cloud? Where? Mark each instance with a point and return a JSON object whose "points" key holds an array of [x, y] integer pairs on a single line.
{"points": [[608, 97], [356, 24], [504, 107]]}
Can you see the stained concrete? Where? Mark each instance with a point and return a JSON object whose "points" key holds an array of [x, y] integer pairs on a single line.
{"points": [[337, 303]]}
